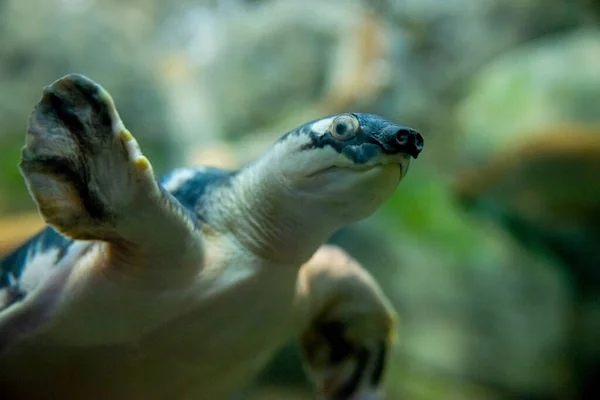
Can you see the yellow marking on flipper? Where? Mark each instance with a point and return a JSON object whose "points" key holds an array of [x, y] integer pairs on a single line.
{"points": [[126, 135], [142, 163]]}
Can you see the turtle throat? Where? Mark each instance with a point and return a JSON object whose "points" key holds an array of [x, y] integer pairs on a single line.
{"points": [[268, 217]]}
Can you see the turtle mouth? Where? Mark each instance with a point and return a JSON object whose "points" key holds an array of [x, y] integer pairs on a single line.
{"points": [[400, 161]]}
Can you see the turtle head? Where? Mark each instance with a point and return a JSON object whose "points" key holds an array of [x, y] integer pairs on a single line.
{"points": [[317, 178], [348, 163]]}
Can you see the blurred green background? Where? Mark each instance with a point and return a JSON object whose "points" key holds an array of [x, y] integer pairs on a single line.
{"points": [[490, 250]]}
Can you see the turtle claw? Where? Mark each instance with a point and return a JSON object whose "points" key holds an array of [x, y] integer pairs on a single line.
{"points": [[141, 162], [82, 166]]}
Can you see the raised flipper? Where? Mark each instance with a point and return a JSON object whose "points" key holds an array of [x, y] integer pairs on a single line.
{"points": [[348, 326], [91, 181]]}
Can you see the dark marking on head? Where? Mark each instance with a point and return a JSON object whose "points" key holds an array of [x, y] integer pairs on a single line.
{"points": [[375, 136], [360, 154]]}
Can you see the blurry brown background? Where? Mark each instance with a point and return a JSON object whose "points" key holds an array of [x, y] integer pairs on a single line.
{"points": [[490, 249]]}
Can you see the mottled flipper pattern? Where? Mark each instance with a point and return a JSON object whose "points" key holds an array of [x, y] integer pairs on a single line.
{"points": [[82, 166], [26, 267], [351, 327]]}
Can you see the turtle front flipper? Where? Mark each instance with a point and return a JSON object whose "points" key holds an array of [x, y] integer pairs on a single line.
{"points": [[348, 327], [90, 179]]}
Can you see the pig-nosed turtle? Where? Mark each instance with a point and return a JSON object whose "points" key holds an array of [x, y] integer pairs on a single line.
{"points": [[183, 288]]}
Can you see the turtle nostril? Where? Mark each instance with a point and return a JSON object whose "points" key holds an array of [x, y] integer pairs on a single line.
{"points": [[409, 140], [403, 136], [418, 141]]}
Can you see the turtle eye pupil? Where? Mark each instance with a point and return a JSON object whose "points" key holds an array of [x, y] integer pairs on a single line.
{"points": [[341, 129]]}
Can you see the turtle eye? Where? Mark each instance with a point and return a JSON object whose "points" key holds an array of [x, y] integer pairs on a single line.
{"points": [[344, 127]]}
